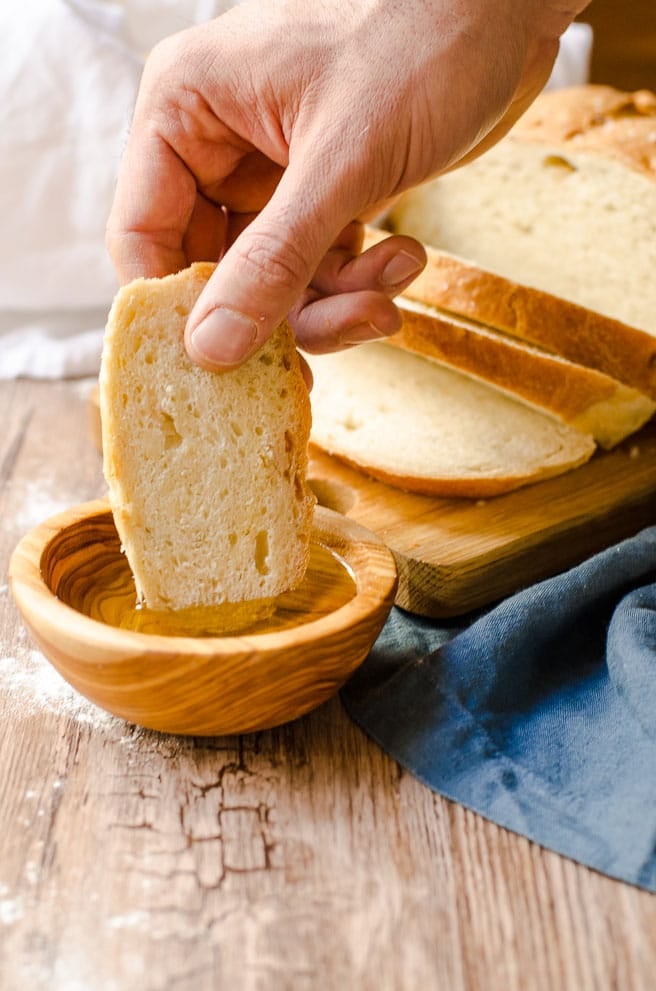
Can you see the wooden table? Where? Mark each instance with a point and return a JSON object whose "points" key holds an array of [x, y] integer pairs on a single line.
{"points": [[301, 858]]}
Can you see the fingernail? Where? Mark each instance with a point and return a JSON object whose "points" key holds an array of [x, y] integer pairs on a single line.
{"points": [[399, 269], [224, 336], [361, 334]]}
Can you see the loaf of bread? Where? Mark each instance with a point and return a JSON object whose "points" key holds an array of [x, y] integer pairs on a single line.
{"points": [[582, 336], [418, 425], [583, 398], [206, 471], [531, 333], [565, 203]]}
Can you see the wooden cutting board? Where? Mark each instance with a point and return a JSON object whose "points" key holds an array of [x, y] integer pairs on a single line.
{"points": [[454, 555]]}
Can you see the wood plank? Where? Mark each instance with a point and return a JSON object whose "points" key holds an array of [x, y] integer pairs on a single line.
{"points": [[288, 860], [300, 858]]}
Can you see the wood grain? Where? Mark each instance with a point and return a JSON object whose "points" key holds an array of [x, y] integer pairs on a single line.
{"points": [[295, 859], [454, 555], [71, 583]]}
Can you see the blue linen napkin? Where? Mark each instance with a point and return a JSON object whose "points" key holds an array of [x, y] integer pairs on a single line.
{"points": [[539, 714]]}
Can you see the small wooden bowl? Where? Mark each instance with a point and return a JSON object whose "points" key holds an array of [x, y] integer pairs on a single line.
{"points": [[63, 577]]}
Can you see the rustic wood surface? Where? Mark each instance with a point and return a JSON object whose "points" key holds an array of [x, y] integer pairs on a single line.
{"points": [[298, 858]]}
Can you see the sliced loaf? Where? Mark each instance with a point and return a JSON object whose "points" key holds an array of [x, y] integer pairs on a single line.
{"points": [[206, 472], [581, 397], [425, 428], [565, 203], [582, 336]]}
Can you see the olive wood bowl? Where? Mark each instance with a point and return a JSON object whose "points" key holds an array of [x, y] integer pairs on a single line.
{"points": [[68, 577]]}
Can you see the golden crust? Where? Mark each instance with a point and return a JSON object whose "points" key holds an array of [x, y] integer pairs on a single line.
{"points": [[580, 397], [599, 119], [477, 487], [603, 122], [574, 332]]}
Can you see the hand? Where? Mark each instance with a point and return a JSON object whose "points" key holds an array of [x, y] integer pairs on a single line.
{"points": [[265, 137]]}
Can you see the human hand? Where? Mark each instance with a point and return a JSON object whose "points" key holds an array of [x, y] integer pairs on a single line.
{"points": [[266, 136]]}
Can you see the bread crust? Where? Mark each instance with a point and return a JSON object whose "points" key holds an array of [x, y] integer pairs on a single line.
{"points": [[595, 118], [587, 126], [459, 488], [564, 328], [584, 398]]}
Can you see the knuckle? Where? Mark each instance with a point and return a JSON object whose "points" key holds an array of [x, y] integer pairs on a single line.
{"points": [[172, 91], [273, 260], [169, 52], [117, 240]]}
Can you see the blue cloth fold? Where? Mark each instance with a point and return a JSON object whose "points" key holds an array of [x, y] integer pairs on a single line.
{"points": [[539, 714]]}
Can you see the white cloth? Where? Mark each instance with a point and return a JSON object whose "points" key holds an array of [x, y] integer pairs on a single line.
{"points": [[68, 79], [572, 67]]}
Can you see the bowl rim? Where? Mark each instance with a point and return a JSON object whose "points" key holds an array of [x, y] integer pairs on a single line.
{"points": [[373, 570]]}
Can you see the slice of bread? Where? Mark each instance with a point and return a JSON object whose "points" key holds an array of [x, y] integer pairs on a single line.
{"points": [[580, 335], [206, 471], [565, 203], [581, 397], [422, 427]]}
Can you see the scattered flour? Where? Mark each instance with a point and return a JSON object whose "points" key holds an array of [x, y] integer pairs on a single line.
{"points": [[11, 911], [30, 684], [129, 920], [37, 505]]}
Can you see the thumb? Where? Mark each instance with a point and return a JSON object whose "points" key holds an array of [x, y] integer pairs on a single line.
{"points": [[261, 275]]}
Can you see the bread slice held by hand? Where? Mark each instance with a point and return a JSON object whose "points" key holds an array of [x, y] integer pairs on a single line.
{"points": [[206, 471], [422, 427]]}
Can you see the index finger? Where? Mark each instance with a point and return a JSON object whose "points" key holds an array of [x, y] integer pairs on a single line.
{"points": [[152, 208]]}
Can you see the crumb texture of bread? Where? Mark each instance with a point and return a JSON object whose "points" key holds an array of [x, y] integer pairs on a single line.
{"points": [[565, 203], [425, 428], [206, 471]]}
